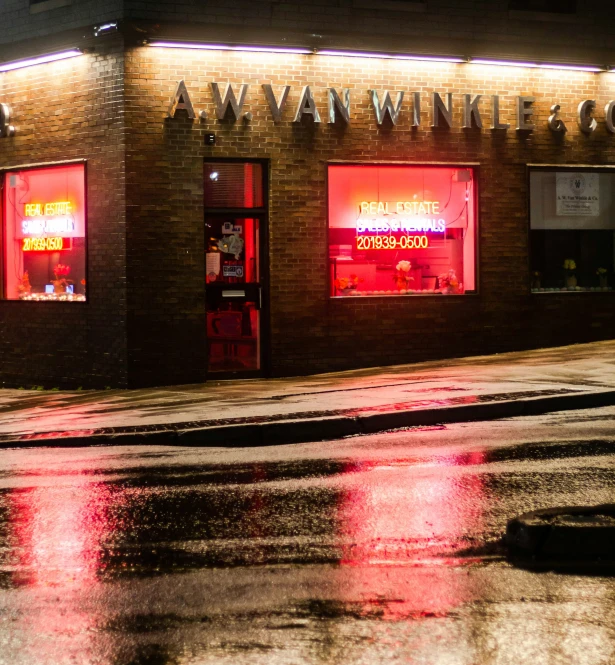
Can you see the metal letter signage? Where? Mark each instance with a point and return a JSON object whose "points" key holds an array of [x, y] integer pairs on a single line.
{"points": [[276, 107], [556, 124], [495, 111], [307, 106], [181, 101], [229, 101], [471, 112], [6, 129], [587, 124], [524, 113], [387, 106], [416, 111], [609, 109], [336, 104], [229, 105], [439, 110]]}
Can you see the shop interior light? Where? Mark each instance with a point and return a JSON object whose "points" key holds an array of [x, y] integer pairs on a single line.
{"points": [[390, 56], [225, 47], [39, 60]]}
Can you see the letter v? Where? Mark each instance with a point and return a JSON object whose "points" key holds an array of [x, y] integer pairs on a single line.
{"points": [[277, 108]]}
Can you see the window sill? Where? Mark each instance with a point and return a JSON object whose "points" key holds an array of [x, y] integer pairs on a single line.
{"points": [[406, 296], [578, 289]]}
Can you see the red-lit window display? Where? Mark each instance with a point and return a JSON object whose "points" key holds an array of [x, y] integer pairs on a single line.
{"points": [[401, 230], [44, 234]]}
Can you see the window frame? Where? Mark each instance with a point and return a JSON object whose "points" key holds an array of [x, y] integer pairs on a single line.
{"points": [[33, 167], [475, 166], [587, 168]]}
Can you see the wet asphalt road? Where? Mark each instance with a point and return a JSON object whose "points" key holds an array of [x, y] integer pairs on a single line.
{"points": [[380, 549]]}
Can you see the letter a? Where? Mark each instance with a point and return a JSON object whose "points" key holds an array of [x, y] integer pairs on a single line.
{"points": [[181, 101], [307, 106]]}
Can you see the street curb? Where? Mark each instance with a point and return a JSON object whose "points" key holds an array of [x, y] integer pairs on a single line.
{"points": [[326, 428], [563, 537]]}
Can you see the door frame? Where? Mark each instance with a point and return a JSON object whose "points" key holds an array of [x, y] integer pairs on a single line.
{"points": [[262, 214]]}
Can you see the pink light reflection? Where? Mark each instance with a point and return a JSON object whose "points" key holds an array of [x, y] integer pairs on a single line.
{"points": [[58, 531], [404, 515]]}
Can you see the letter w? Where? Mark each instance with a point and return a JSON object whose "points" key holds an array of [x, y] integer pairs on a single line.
{"points": [[229, 101], [381, 110]]}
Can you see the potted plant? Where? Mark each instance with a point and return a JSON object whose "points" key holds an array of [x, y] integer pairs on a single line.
{"points": [[24, 288], [402, 278], [448, 282], [603, 278], [346, 285], [569, 268], [61, 280], [536, 275]]}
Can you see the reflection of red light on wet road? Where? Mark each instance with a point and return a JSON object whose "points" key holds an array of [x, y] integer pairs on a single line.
{"points": [[59, 523], [399, 515], [58, 529]]}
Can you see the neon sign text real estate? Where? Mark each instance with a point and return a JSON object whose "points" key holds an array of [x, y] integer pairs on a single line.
{"points": [[55, 217], [399, 216], [48, 209]]}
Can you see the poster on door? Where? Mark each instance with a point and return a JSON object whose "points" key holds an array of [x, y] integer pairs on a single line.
{"points": [[577, 194]]}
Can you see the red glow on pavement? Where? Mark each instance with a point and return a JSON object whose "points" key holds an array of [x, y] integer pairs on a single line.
{"points": [[59, 529], [401, 516]]}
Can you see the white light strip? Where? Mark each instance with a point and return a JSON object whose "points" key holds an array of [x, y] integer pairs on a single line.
{"points": [[390, 56], [104, 28], [502, 63], [535, 65], [51, 57], [574, 68], [368, 54], [224, 47]]}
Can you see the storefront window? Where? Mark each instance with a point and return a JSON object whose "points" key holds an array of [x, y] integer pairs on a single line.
{"points": [[401, 230], [572, 222], [44, 234], [233, 185]]}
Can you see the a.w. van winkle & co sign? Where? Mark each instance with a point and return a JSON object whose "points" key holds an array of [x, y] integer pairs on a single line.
{"points": [[230, 105]]}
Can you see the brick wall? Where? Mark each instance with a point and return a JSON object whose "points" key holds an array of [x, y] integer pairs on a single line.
{"points": [[310, 332], [66, 110]]}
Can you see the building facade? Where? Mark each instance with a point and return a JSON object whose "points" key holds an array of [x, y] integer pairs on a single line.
{"points": [[214, 190]]}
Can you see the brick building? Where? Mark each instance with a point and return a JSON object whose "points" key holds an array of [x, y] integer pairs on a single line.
{"points": [[214, 189]]}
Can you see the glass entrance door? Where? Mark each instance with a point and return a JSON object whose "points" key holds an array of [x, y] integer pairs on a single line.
{"points": [[235, 221]]}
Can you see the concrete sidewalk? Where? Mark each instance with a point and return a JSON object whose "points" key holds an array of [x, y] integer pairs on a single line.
{"points": [[325, 406]]}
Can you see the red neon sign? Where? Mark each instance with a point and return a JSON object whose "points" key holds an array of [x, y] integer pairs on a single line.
{"points": [[392, 242], [53, 244]]}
